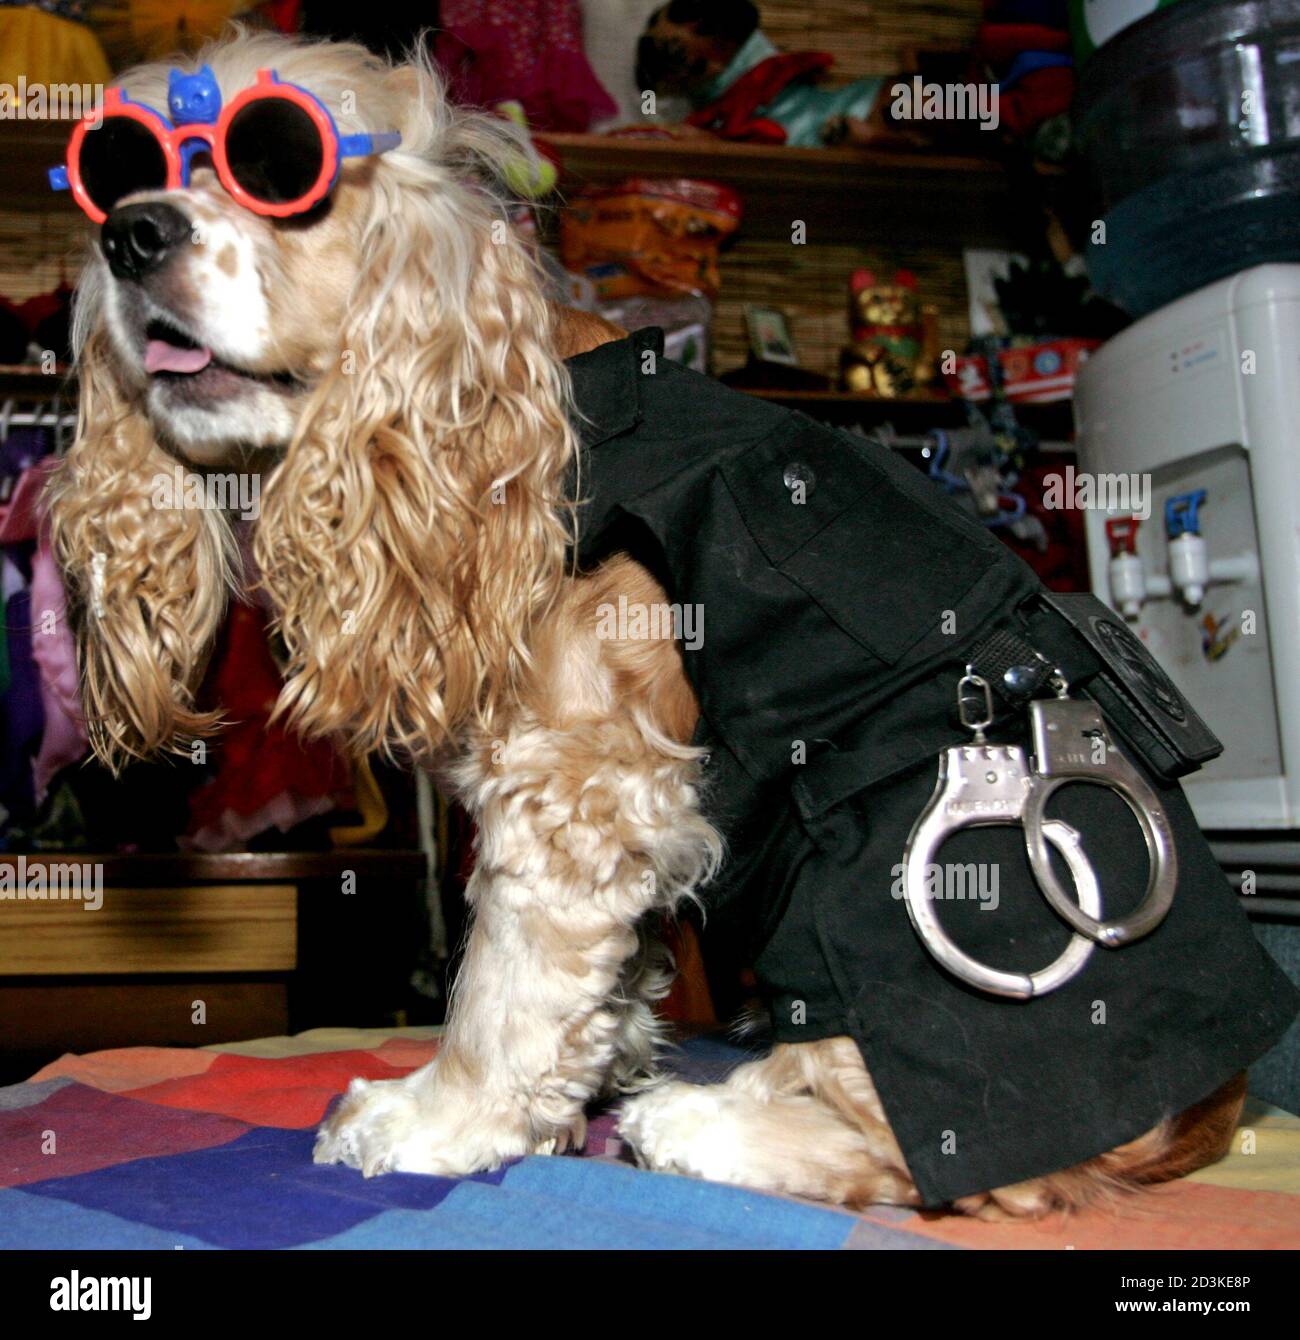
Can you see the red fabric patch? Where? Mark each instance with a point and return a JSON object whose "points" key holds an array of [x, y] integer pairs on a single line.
{"points": [[734, 115], [291, 1092]]}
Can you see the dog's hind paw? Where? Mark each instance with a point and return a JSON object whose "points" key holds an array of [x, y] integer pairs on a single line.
{"points": [[684, 1128], [791, 1144]]}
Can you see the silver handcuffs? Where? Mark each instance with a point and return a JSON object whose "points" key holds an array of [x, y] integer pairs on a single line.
{"points": [[982, 784]]}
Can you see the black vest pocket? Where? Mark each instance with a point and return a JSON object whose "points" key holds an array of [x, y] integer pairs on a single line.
{"points": [[862, 533]]}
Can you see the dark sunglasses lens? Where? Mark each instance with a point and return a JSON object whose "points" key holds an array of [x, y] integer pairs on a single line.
{"points": [[120, 157], [274, 150]]}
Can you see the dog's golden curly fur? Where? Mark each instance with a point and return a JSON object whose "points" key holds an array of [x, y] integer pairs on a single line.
{"points": [[389, 366], [414, 532]]}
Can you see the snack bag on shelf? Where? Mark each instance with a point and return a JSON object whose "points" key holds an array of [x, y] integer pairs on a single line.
{"points": [[647, 236]]}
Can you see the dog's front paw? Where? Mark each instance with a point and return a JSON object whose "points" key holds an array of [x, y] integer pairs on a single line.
{"points": [[419, 1125], [375, 1129]]}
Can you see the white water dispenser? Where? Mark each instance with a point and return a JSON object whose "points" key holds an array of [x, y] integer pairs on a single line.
{"points": [[1189, 424]]}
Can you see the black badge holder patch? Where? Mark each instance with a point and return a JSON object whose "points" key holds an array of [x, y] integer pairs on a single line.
{"points": [[1097, 651], [981, 783]]}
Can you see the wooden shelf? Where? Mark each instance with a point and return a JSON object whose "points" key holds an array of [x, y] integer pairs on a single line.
{"points": [[699, 155], [851, 398], [842, 194], [1052, 422], [27, 382]]}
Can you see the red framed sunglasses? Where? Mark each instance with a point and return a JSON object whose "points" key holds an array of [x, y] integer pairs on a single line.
{"points": [[275, 146]]}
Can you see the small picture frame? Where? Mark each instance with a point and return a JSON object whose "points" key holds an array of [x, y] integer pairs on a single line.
{"points": [[769, 336]]}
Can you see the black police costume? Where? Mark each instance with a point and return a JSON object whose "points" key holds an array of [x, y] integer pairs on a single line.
{"points": [[842, 623]]}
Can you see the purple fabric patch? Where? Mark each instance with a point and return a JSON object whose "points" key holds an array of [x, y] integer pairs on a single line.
{"points": [[78, 1129]]}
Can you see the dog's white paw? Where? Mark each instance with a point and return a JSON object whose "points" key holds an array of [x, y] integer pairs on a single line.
{"points": [[686, 1128], [416, 1125], [378, 1127]]}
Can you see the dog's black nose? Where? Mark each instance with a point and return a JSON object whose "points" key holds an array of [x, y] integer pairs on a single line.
{"points": [[138, 238]]}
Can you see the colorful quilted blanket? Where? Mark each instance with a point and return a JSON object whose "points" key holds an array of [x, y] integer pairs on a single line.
{"points": [[166, 1148]]}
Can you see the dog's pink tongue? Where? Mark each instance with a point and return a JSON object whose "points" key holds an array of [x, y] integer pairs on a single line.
{"points": [[159, 356]]}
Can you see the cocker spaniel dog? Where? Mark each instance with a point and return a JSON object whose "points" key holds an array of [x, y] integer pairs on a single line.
{"points": [[386, 360]]}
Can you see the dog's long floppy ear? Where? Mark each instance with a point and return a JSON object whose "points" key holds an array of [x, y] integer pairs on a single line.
{"points": [[147, 586], [416, 531]]}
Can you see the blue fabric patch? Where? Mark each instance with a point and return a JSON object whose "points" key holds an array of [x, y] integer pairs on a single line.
{"points": [[577, 1204], [36, 1223], [655, 1204], [261, 1190]]}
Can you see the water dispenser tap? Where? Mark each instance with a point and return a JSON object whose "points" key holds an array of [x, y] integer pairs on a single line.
{"points": [[1189, 563], [1128, 586]]}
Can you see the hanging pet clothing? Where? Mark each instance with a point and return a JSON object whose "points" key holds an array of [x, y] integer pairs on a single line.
{"points": [[528, 51], [845, 600], [266, 775]]}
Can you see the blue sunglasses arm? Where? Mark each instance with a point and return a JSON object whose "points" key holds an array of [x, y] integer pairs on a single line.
{"points": [[360, 146]]}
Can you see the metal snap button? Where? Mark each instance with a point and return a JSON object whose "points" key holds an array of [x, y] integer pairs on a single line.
{"points": [[1020, 678], [797, 473]]}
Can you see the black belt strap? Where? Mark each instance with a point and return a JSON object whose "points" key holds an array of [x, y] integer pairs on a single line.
{"points": [[1013, 668]]}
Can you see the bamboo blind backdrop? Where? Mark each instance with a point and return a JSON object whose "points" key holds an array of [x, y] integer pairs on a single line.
{"points": [[38, 250], [867, 36]]}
